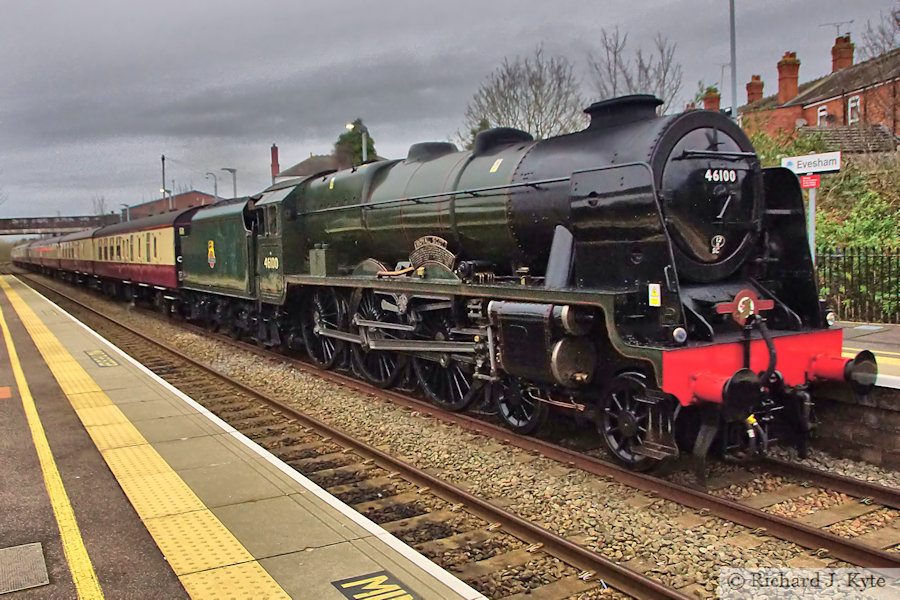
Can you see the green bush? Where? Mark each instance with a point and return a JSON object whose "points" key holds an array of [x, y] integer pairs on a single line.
{"points": [[860, 205]]}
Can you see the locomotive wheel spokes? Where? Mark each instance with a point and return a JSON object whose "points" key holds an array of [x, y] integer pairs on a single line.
{"points": [[447, 381], [624, 420], [324, 310], [381, 368], [519, 410]]}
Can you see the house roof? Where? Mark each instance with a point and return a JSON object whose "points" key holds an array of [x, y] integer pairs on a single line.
{"points": [[881, 68], [312, 165], [199, 193], [855, 138], [319, 163]]}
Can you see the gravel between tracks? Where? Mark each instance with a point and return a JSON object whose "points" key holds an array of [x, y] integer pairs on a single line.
{"points": [[671, 542]]}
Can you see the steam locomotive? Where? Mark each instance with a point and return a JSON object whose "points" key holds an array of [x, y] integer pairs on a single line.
{"points": [[645, 274]]}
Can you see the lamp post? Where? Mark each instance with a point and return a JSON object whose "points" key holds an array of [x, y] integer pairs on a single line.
{"points": [[365, 135], [733, 63], [127, 211], [215, 185], [233, 172]]}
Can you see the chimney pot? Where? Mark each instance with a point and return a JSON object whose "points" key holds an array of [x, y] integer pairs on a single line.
{"points": [[842, 53], [788, 77], [711, 99], [754, 89]]}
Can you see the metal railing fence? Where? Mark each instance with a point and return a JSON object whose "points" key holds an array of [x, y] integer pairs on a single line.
{"points": [[860, 283]]}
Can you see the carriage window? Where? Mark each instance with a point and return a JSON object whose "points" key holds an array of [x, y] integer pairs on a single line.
{"points": [[154, 248], [131, 250], [147, 246]]}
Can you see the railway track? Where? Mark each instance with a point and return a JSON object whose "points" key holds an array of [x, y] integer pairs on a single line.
{"points": [[862, 497], [491, 549]]}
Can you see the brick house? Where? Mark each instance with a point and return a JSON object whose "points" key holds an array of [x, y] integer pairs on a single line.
{"points": [[863, 96], [162, 205]]}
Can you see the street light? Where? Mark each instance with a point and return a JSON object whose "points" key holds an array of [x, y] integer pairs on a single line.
{"points": [[127, 211], [233, 172], [215, 185], [733, 63], [365, 134]]}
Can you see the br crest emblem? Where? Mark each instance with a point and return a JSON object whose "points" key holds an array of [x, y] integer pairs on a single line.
{"points": [[211, 253]]}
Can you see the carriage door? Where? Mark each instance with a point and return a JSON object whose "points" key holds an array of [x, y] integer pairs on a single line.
{"points": [[269, 255]]}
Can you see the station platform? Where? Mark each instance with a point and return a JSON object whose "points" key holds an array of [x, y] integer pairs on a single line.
{"points": [[115, 484], [883, 340]]}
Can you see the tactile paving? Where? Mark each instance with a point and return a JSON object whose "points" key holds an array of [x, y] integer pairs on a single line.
{"points": [[118, 435], [22, 567], [196, 541], [135, 461], [160, 495], [89, 400], [73, 379], [101, 415], [242, 582]]}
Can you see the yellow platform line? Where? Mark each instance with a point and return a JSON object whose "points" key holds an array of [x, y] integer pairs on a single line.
{"points": [[80, 566], [203, 553], [882, 360], [876, 352]]}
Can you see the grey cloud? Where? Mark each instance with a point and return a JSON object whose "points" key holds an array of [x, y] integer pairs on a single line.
{"points": [[94, 92]]}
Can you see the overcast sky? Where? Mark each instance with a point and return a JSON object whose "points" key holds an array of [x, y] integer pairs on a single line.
{"points": [[93, 92]]}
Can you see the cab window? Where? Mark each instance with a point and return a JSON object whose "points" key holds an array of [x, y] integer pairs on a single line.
{"points": [[271, 220]]}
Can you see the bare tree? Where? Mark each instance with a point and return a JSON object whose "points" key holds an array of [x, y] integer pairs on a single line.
{"points": [[882, 36], [99, 203], [656, 72], [539, 94]]}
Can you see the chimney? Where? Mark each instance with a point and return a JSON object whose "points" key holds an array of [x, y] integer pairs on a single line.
{"points": [[788, 77], [754, 89], [711, 99], [841, 53], [276, 169]]}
